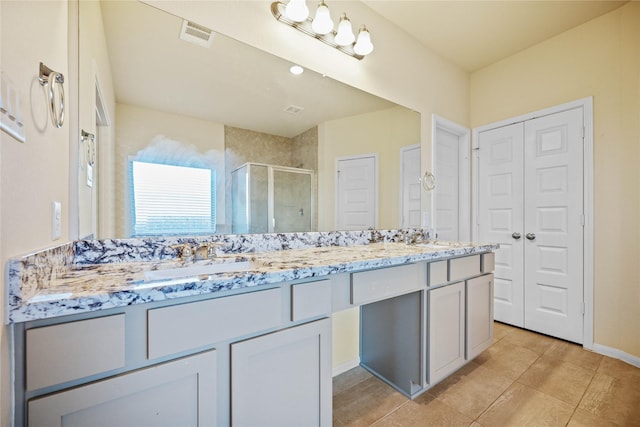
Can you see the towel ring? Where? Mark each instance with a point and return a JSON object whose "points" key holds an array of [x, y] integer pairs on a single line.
{"points": [[90, 139], [428, 181], [53, 79]]}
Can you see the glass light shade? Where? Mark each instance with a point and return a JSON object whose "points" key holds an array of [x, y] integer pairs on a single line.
{"points": [[363, 46], [297, 10], [322, 23], [345, 36], [296, 70]]}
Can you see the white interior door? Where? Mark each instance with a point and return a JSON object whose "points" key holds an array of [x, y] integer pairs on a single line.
{"points": [[410, 178], [356, 193], [500, 215], [553, 224], [447, 193], [530, 200]]}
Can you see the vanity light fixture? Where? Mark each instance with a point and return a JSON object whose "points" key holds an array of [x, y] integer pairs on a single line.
{"points": [[295, 13]]}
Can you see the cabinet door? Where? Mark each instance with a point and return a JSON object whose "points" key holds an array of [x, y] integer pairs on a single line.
{"points": [[179, 393], [283, 378], [479, 314], [446, 330]]}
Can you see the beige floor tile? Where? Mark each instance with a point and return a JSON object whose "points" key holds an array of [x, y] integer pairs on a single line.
{"points": [[574, 353], [507, 359], [618, 369], [501, 330], [523, 406], [425, 410], [365, 403], [533, 341], [613, 399], [349, 379], [582, 418], [472, 389], [559, 379]]}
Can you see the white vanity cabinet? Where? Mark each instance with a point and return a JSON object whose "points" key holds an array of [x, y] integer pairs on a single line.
{"points": [[283, 378], [178, 393], [446, 314], [479, 315], [460, 313], [254, 356]]}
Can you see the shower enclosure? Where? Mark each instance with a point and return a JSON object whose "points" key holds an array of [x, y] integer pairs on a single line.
{"points": [[272, 199]]}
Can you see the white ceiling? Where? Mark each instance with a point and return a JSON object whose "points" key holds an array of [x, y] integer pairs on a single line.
{"points": [[474, 34]]}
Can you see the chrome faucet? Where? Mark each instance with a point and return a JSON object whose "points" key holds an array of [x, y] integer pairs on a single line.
{"points": [[206, 250], [411, 238], [201, 251]]}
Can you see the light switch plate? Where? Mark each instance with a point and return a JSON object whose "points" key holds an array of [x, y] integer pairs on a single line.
{"points": [[56, 220]]}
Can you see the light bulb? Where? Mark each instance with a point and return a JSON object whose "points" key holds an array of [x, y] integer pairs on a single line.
{"points": [[322, 23], [345, 36], [363, 46], [297, 10]]}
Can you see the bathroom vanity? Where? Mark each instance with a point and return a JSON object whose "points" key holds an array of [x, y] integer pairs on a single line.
{"points": [[98, 339]]}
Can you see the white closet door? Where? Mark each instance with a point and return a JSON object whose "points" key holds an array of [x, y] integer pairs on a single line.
{"points": [[500, 215], [553, 224]]}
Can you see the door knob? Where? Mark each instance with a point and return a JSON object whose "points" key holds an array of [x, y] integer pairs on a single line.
{"points": [[530, 236], [516, 236]]}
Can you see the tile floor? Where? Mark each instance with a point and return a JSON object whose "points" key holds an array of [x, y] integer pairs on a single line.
{"points": [[523, 379]]}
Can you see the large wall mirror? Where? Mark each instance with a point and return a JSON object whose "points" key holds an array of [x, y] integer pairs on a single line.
{"points": [[217, 136]]}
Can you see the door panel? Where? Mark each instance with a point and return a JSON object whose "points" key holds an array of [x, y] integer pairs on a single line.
{"points": [[500, 214], [411, 193], [356, 195], [447, 194], [553, 210]]}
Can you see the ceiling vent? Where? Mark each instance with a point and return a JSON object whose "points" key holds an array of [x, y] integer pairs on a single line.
{"points": [[196, 34], [293, 109]]}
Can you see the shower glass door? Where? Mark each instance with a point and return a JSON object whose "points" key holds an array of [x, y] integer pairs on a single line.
{"points": [[292, 201]]}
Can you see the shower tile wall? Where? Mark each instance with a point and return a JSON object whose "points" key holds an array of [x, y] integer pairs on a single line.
{"points": [[242, 146]]}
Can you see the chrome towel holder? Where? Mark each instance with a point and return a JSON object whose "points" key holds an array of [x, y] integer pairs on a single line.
{"points": [[51, 78]]}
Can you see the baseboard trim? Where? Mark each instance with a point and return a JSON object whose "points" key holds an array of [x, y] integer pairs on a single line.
{"points": [[617, 354], [344, 367]]}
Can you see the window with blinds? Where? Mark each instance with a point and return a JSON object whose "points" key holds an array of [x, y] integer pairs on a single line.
{"points": [[169, 199]]}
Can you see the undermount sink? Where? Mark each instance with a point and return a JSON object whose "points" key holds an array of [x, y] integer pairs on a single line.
{"points": [[200, 269], [435, 245]]}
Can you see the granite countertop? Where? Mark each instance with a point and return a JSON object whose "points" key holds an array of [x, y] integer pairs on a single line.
{"points": [[81, 288]]}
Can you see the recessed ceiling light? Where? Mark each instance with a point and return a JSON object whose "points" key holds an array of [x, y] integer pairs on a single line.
{"points": [[296, 70]]}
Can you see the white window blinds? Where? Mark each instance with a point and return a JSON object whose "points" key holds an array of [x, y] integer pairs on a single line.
{"points": [[168, 199]]}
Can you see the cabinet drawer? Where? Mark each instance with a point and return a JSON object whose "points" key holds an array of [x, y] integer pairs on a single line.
{"points": [[369, 286], [461, 268], [178, 393], [488, 262], [69, 351], [437, 273], [189, 326], [310, 300]]}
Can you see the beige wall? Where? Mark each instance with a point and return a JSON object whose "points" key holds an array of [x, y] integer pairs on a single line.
{"points": [[34, 173], [601, 59], [383, 133], [138, 126]]}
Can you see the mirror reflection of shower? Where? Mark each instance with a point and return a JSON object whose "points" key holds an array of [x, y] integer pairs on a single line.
{"points": [[272, 199]]}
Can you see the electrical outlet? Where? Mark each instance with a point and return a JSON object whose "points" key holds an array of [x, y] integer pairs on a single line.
{"points": [[56, 220]]}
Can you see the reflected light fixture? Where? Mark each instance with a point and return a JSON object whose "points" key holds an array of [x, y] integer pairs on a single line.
{"points": [[295, 13], [296, 70]]}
